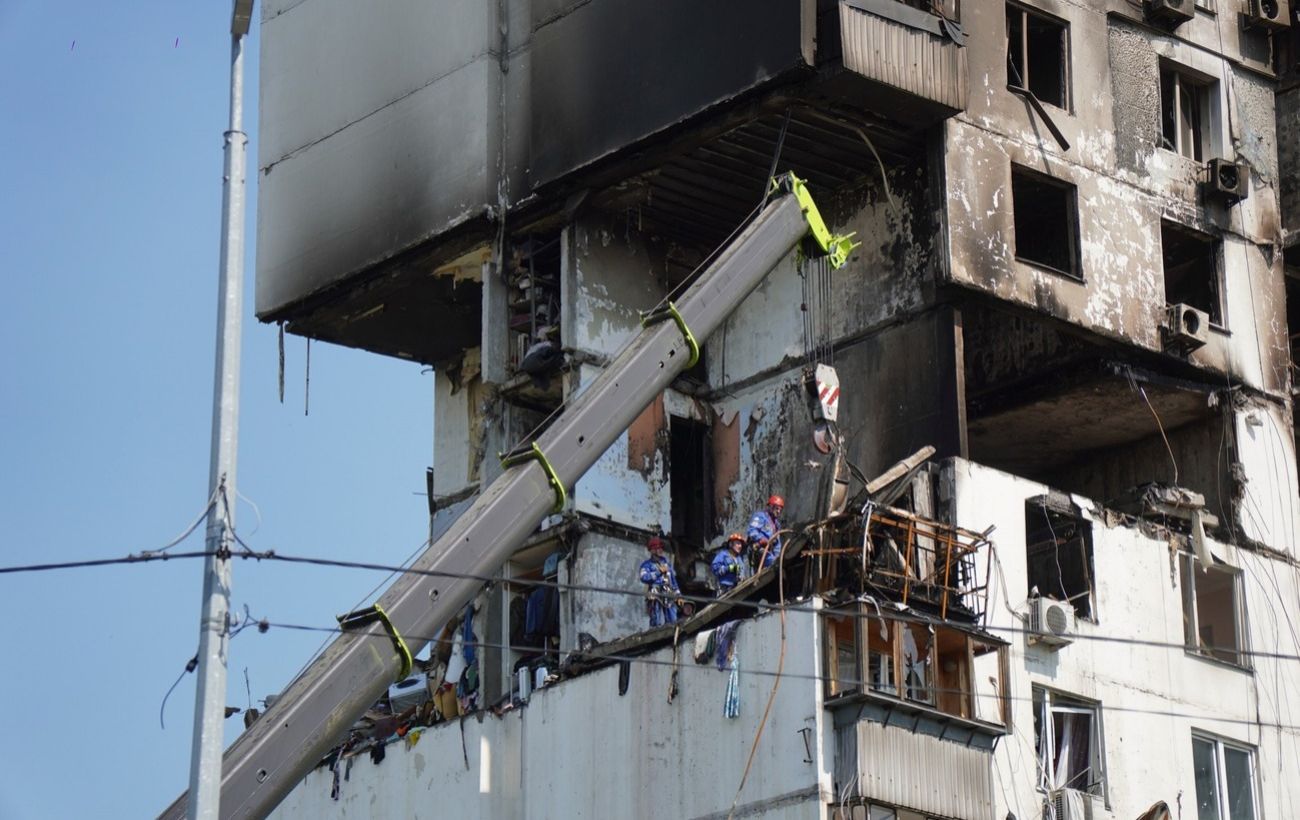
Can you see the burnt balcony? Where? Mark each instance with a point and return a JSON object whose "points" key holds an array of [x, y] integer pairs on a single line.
{"points": [[911, 64]]}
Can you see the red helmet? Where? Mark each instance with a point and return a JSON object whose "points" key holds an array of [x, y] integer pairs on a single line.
{"points": [[776, 501], [735, 536], [655, 543]]}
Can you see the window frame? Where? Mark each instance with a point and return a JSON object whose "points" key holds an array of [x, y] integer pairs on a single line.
{"points": [[1026, 82], [1187, 575], [1219, 322], [1086, 559], [1075, 272], [1206, 115], [1222, 796], [1048, 702]]}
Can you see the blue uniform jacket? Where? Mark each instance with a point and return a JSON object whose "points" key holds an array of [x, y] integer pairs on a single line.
{"points": [[763, 525], [659, 574], [728, 567]]}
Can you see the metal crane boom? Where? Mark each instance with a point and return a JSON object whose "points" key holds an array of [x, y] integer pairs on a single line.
{"points": [[321, 705]]}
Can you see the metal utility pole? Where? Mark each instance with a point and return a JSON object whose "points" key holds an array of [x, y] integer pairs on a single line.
{"points": [[210, 696]]}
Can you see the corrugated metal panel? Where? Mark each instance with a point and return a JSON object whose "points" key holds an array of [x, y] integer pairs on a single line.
{"points": [[909, 59], [915, 771]]}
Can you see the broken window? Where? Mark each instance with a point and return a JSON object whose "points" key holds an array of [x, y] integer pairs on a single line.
{"points": [[1212, 610], [918, 663], [1191, 261], [1058, 554], [933, 666], [1046, 221], [1185, 113], [690, 481], [1038, 50], [1225, 779], [534, 305], [1067, 740]]}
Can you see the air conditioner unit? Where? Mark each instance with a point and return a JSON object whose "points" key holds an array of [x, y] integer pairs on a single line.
{"points": [[1186, 328], [1227, 179], [1069, 804], [1171, 13], [412, 691], [1272, 15], [1050, 622]]}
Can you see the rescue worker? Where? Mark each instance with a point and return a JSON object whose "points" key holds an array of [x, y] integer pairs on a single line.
{"points": [[764, 525], [662, 593], [729, 565]]}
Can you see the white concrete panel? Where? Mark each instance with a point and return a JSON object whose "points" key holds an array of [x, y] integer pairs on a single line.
{"points": [[451, 436], [1151, 696], [612, 491], [1270, 506], [580, 750], [614, 279], [604, 561]]}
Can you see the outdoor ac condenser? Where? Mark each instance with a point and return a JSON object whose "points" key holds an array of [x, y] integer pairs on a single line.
{"points": [[1272, 15], [412, 691], [1069, 804], [1050, 622], [1228, 180], [1171, 13], [1186, 328]]}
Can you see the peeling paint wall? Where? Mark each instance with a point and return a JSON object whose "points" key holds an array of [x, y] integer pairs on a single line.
{"points": [[605, 561], [1147, 752], [883, 281], [612, 273], [642, 757], [1288, 146], [1125, 185]]}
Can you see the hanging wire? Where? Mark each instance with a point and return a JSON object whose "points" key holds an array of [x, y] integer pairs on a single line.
{"points": [[281, 362], [306, 393]]}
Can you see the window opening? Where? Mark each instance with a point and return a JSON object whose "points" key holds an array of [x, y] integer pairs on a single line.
{"points": [[1185, 114], [1225, 779], [1067, 740], [1046, 221], [534, 304], [1058, 546], [1191, 261], [690, 475], [918, 666], [1212, 616], [841, 655], [931, 665], [1038, 56], [880, 657], [953, 673]]}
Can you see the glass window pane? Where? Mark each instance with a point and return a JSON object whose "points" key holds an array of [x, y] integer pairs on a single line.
{"points": [[1207, 779], [1240, 786]]}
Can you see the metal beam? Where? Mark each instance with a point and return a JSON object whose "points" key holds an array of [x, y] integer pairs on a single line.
{"points": [[320, 706]]}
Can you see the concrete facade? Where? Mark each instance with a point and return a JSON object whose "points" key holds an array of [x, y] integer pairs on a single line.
{"points": [[1009, 305]]}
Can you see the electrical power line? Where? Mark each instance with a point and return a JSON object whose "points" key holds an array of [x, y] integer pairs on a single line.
{"points": [[757, 606], [810, 676], [139, 558]]}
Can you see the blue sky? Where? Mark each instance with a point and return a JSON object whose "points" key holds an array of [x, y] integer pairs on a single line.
{"points": [[109, 223]]}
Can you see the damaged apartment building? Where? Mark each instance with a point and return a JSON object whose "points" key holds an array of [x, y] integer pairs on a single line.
{"points": [[1043, 563]]}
